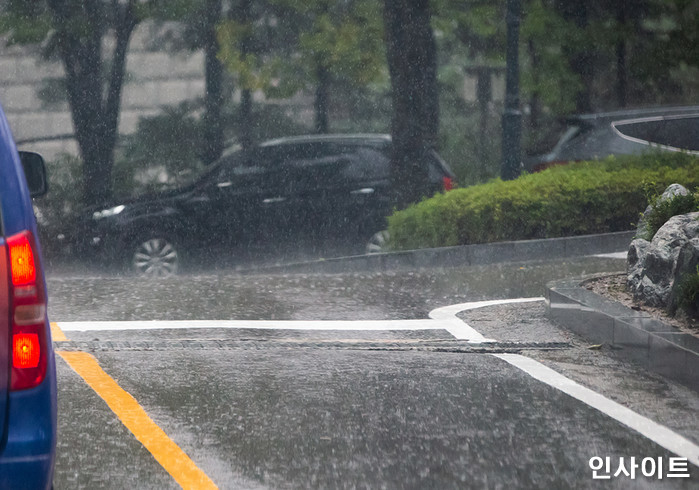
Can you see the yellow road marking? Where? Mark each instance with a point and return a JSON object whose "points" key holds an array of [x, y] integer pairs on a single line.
{"points": [[132, 415], [57, 334]]}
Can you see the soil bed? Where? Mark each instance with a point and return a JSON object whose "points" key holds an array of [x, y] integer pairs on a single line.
{"points": [[614, 287]]}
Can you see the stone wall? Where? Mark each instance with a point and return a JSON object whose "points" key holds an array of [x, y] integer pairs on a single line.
{"points": [[155, 78]]}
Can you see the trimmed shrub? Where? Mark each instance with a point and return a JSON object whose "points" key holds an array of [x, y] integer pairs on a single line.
{"points": [[577, 199], [688, 294], [664, 210]]}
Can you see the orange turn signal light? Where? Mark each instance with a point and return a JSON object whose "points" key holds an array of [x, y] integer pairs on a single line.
{"points": [[21, 260]]}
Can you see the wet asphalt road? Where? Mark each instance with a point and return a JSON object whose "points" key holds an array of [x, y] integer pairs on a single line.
{"points": [[349, 409], [86, 294]]}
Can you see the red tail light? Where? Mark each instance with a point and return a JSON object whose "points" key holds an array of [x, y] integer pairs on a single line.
{"points": [[448, 183], [26, 350], [28, 312]]}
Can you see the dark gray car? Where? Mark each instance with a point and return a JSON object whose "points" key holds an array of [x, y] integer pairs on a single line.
{"points": [[595, 136]]}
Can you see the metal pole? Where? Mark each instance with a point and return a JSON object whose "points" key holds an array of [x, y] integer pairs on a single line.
{"points": [[512, 116]]}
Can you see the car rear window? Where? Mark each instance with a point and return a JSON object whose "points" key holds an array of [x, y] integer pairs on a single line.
{"points": [[680, 132]]}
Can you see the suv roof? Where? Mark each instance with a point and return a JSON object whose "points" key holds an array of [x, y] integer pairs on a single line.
{"points": [[659, 112], [339, 137]]}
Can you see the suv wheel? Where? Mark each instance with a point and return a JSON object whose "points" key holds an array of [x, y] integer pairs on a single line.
{"points": [[378, 243], [155, 256]]}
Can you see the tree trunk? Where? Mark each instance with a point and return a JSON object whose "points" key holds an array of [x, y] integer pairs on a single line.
{"points": [[95, 115], [621, 71], [243, 14], [245, 120], [412, 63], [213, 98], [484, 96], [322, 124], [582, 60], [535, 100]]}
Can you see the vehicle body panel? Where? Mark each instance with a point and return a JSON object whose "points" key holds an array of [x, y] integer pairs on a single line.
{"points": [[28, 417]]}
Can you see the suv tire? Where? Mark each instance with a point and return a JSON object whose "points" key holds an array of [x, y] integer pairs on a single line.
{"points": [[155, 255]]}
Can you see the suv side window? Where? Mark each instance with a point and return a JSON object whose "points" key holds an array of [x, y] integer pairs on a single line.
{"points": [[313, 165], [247, 163], [365, 164]]}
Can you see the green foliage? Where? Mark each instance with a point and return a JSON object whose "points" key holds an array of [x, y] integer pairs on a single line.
{"points": [[474, 159], [252, 70], [346, 39], [164, 150], [477, 25], [58, 208], [24, 22], [663, 210], [688, 294], [349, 43], [547, 74], [64, 178], [576, 199]]}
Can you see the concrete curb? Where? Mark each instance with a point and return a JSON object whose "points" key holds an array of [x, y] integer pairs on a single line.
{"points": [[657, 346], [465, 255]]}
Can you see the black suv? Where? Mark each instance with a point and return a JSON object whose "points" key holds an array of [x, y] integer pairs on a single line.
{"points": [[323, 195]]}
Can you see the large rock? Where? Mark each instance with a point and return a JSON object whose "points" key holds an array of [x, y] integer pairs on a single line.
{"points": [[655, 267]]}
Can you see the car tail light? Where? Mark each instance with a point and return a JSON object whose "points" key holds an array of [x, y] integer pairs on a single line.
{"points": [[28, 313], [26, 350], [448, 183]]}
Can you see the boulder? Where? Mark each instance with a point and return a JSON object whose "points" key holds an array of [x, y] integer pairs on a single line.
{"points": [[654, 267], [687, 262]]}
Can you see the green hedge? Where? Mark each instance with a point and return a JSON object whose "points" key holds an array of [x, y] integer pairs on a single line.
{"points": [[663, 210], [576, 199]]}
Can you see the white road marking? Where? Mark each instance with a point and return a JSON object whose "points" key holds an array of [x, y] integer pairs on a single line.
{"points": [[462, 330], [440, 319], [657, 433], [613, 255], [369, 325]]}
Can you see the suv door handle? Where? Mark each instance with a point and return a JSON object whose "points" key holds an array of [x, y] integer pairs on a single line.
{"points": [[272, 200], [365, 190]]}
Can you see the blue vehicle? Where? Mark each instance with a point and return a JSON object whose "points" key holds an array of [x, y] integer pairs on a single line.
{"points": [[27, 364]]}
